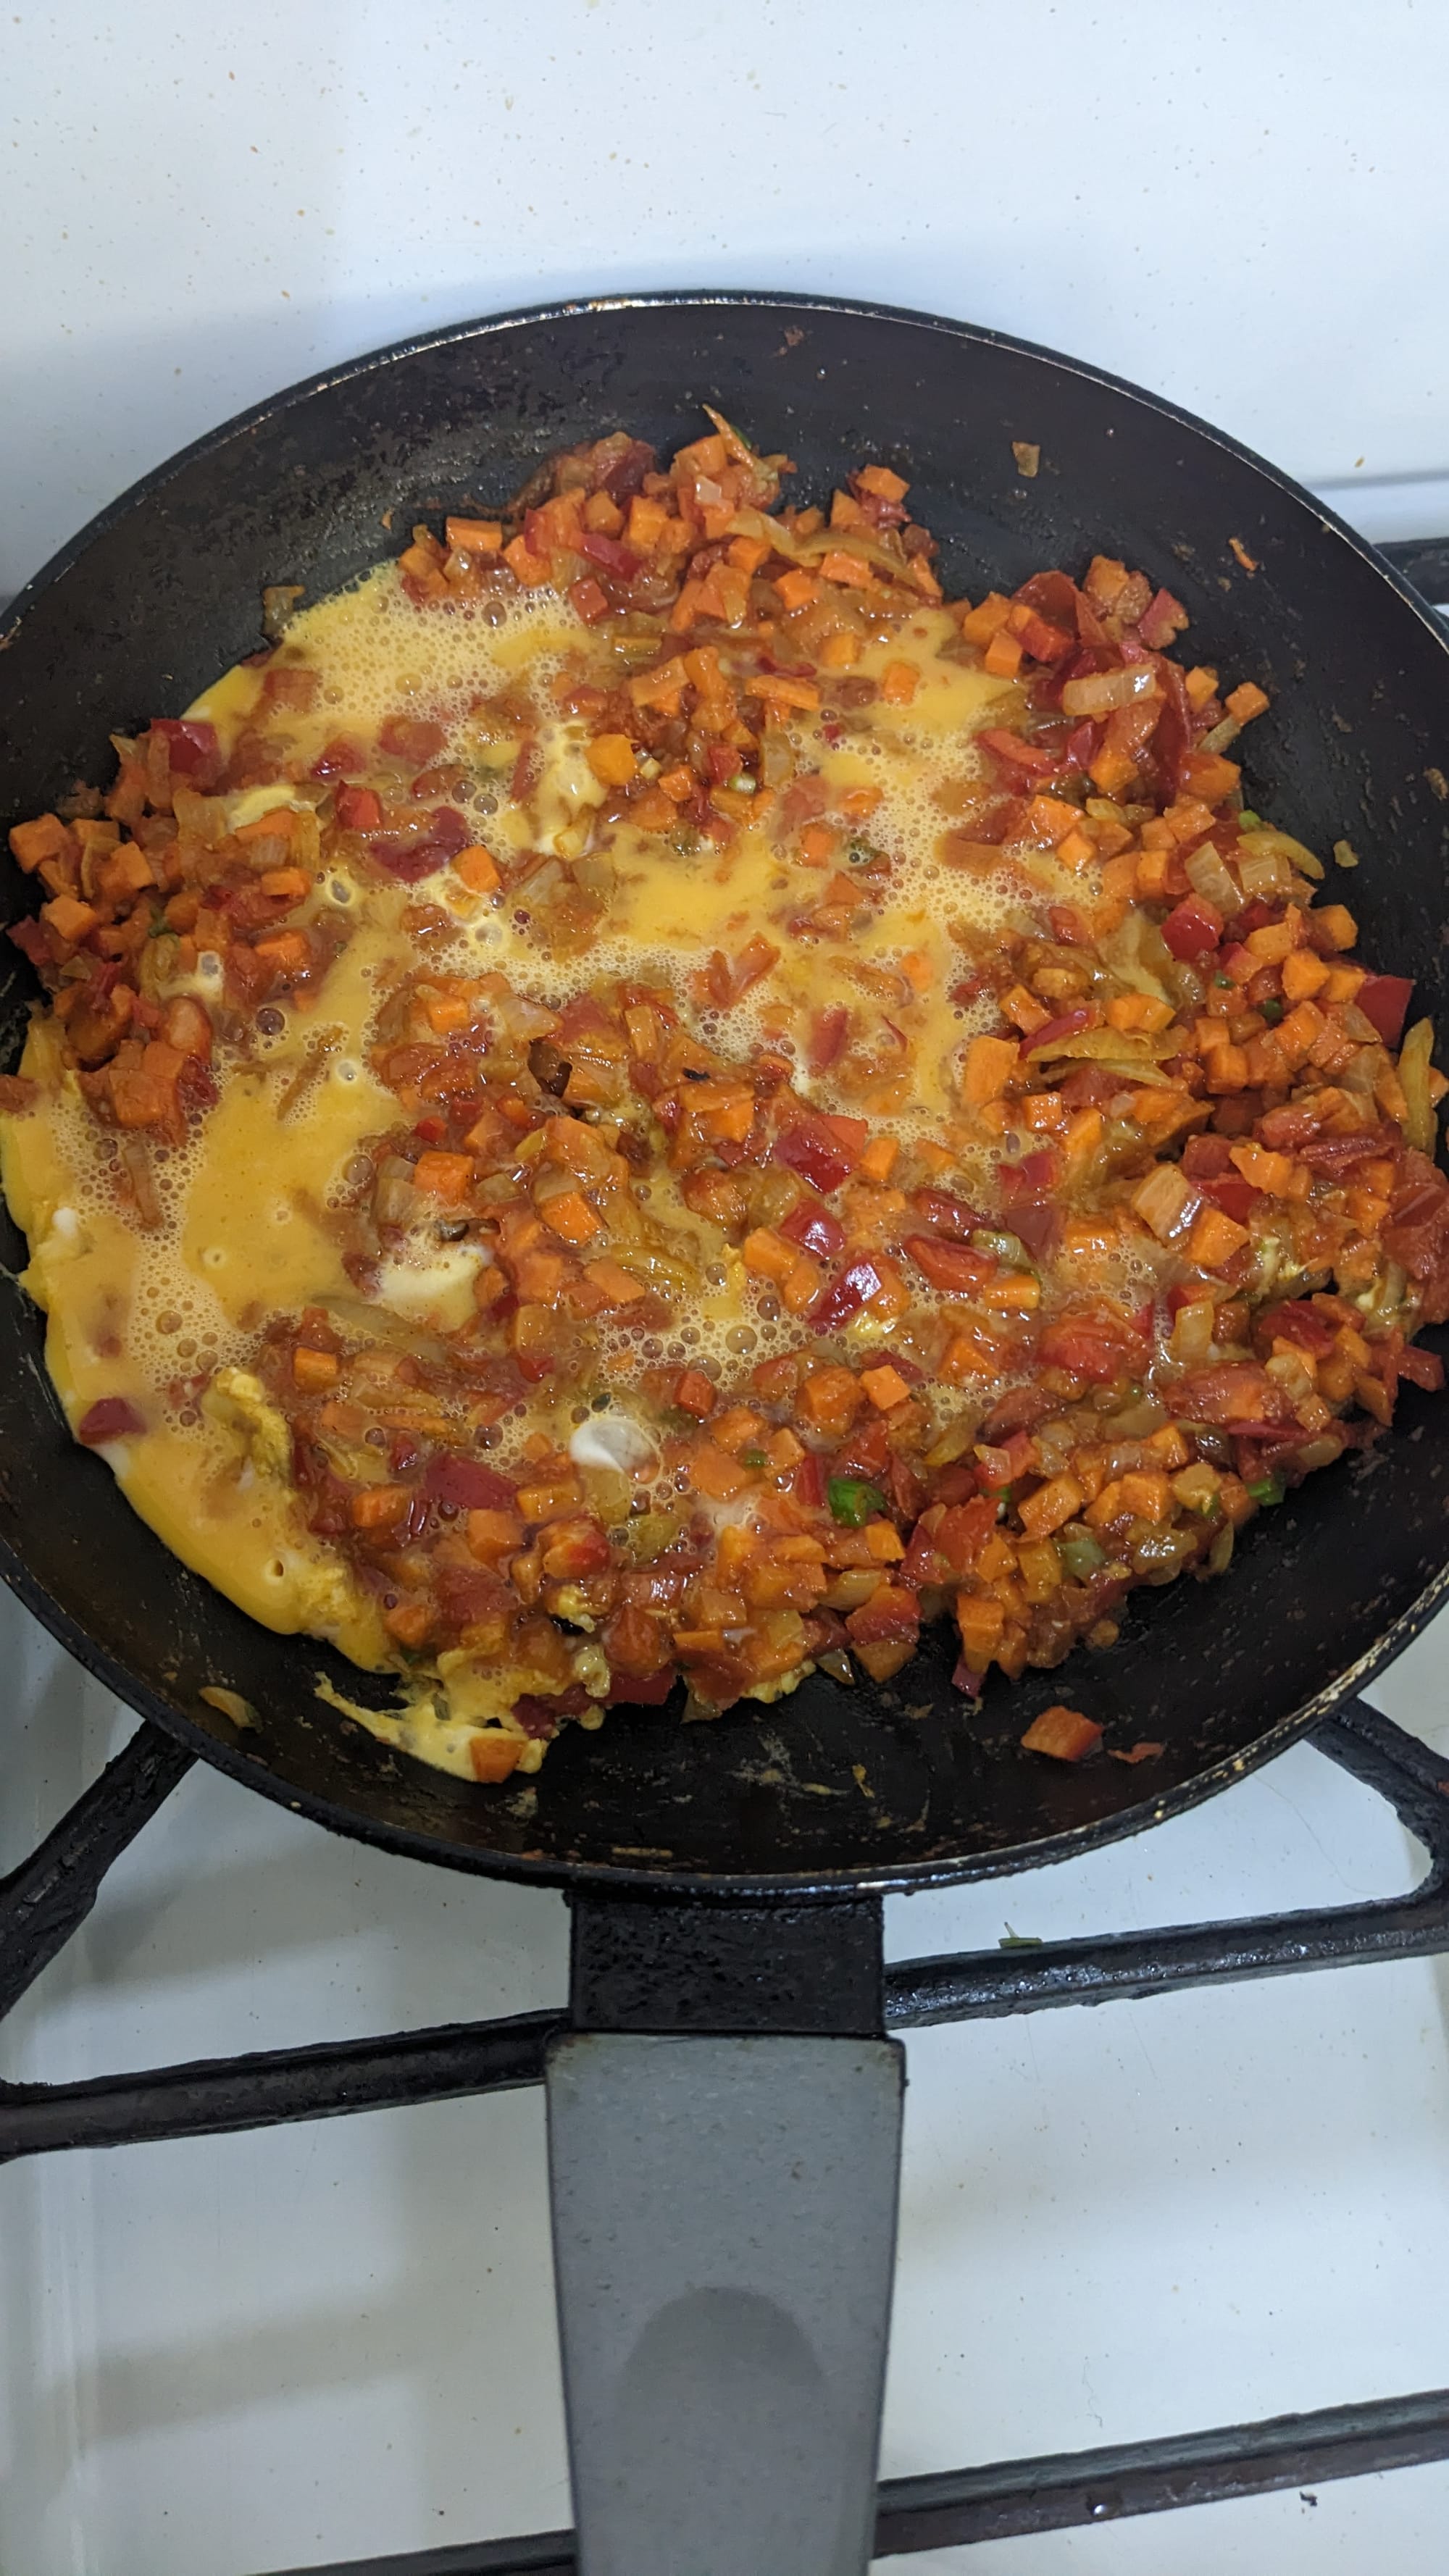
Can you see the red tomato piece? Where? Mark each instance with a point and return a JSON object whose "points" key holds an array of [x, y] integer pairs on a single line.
{"points": [[111, 1418], [950, 1265], [1193, 927], [1384, 999], [359, 809], [609, 555], [815, 1230], [844, 1297], [468, 1484]]}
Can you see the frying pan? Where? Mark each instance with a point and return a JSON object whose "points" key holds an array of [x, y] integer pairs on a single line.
{"points": [[836, 1795]]}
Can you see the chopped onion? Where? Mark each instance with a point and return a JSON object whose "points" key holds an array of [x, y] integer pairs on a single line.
{"points": [[1221, 735], [1101, 691], [1264, 872], [1164, 1199], [1192, 1332], [1420, 1127], [1267, 839], [1208, 875], [395, 1199]]}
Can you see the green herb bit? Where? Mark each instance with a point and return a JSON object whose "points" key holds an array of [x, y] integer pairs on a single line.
{"points": [[753, 1458], [1266, 1490], [852, 1501], [1080, 1554], [1272, 1010]]}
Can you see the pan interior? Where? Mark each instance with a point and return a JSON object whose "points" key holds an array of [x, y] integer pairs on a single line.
{"points": [[895, 1785]]}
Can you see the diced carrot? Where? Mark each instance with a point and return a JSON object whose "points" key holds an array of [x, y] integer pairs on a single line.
{"points": [[284, 885], [286, 952], [446, 1012], [899, 682], [767, 1255], [990, 1063], [379, 1506], [1062, 1732], [882, 483], [841, 652], [879, 1159], [818, 843], [981, 1619], [1051, 818], [571, 1217], [801, 1285], [409, 1622], [1051, 1506], [849, 570], [443, 1176], [714, 1473], [312, 1370], [885, 1386], [619, 1286], [526, 567], [44, 838], [860, 802], [1337, 923], [1214, 1238], [1246, 701], [679, 784], [885, 1543], [477, 869], [612, 759], [694, 1394], [1111, 771], [796, 588], [1003, 655], [980, 624], [831, 1399], [1076, 850], [492, 1534], [474, 536], [780, 689], [1147, 1494], [69, 918], [494, 1754]]}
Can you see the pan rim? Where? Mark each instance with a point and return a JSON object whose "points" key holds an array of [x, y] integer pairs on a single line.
{"points": [[664, 1884]]}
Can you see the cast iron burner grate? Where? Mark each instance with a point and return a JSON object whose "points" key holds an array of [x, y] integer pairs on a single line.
{"points": [[776, 1968], [763, 1961]]}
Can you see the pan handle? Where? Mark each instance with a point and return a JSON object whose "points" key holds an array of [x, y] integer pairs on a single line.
{"points": [[724, 2215]]}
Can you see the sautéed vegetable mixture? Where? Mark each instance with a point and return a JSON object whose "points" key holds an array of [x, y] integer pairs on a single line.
{"points": [[643, 1097]]}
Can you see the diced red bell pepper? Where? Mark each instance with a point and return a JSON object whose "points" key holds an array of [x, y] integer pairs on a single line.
{"points": [[1161, 619], [646, 1690], [1082, 744], [1230, 1192], [359, 809], [827, 1036], [844, 1297], [190, 744], [1070, 926], [609, 555], [1193, 927], [808, 1482], [1070, 1025], [947, 1215], [824, 1151], [337, 757], [963, 1530], [1335, 1156], [1028, 759], [1384, 999], [1421, 1368], [1031, 1178], [468, 1484], [1296, 1321], [1090, 1347], [815, 1230], [950, 1266], [409, 860], [111, 1418]]}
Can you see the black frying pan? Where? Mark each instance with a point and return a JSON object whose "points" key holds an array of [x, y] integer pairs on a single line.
{"points": [[162, 592]]}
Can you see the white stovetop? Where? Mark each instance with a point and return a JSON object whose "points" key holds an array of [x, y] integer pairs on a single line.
{"points": [[332, 2340], [323, 2342]]}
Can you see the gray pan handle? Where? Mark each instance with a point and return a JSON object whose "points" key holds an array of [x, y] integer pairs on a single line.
{"points": [[724, 2216]]}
